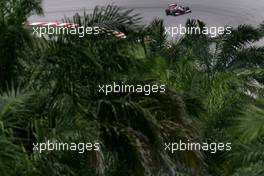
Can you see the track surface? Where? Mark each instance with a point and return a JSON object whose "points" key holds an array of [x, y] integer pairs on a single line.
{"points": [[213, 12]]}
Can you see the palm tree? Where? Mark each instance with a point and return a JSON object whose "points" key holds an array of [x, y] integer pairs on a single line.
{"points": [[216, 74], [13, 35], [207, 80]]}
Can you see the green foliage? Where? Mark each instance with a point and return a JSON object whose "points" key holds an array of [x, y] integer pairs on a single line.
{"points": [[14, 37], [52, 94]]}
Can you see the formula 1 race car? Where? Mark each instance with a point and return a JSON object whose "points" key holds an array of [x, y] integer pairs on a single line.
{"points": [[175, 10]]}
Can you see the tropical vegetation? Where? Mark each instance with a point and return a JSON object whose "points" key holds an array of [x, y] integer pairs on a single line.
{"points": [[49, 91]]}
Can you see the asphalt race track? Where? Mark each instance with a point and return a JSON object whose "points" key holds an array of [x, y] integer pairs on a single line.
{"points": [[213, 12]]}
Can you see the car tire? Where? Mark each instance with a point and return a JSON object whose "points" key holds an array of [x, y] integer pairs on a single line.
{"points": [[167, 12]]}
